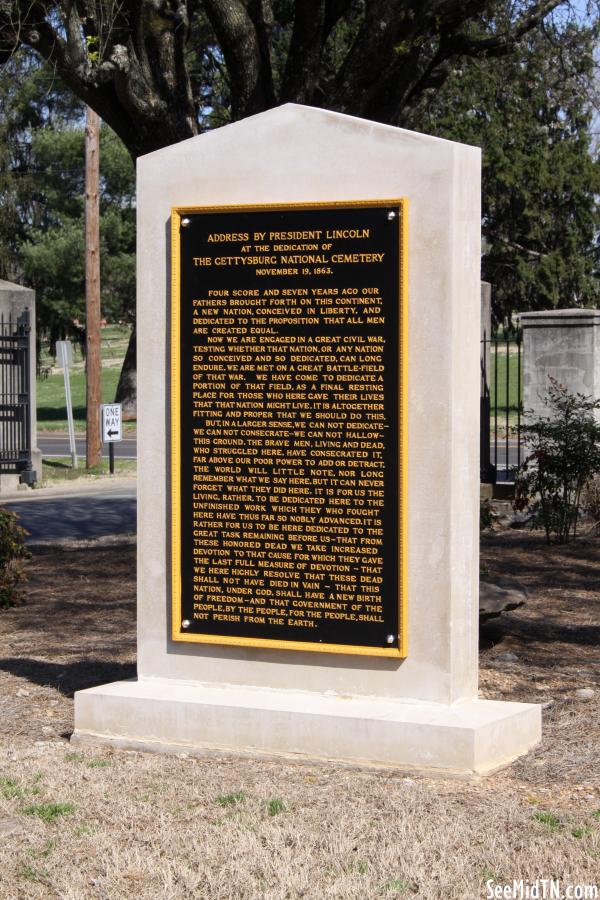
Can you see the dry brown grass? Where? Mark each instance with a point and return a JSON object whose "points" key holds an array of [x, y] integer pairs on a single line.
{"points": [[150, 827]]}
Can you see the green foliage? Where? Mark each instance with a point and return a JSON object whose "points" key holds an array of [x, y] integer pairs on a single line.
{"points": [[549, 820], [12, 552], [582, 831], [11, 789], [42, 177], [53, 256], [398, 886], [531, 114], [48, 812], [564, 456], [99, 763], [275, 806], [233, 799], [30, 873]]}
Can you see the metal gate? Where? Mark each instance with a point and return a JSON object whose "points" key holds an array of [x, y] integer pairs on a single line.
{"points": [[15, 397], [501, 448]]}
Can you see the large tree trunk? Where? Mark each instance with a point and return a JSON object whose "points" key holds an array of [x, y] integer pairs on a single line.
{"points": [[127, 386]]}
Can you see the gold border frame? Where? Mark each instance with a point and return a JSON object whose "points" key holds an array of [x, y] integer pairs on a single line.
{"points": [[265, 643]]}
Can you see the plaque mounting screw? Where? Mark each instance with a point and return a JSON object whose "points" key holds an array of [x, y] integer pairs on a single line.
{"points": [[391, 215], [186, 623], [185, 223], [390, 639]]}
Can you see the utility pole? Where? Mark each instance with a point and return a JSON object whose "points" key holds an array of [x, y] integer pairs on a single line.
{"points": [[92, 286]]}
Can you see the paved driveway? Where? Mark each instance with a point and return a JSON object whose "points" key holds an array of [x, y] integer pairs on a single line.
{"points": [[79, 511]]}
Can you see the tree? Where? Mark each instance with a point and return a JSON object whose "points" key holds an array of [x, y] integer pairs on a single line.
{"points": [[532, 116], [31, 99], [41, 200], [160, 71], [151, 69], [53, 254]]}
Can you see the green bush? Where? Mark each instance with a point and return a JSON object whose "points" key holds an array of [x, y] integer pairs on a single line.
{"points": [[12, 552], [564, 457]]}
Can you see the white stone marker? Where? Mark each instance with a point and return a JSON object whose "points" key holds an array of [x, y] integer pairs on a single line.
{"points": [[421, 711], [563, 344]]}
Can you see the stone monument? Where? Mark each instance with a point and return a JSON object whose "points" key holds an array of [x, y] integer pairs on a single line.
{"points": [[308, 515], [563, 344]]}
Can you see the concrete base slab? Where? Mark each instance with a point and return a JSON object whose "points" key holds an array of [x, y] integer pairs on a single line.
{"points": [[472, 737]]}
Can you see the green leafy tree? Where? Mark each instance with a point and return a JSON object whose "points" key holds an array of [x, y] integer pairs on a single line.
{"points": [[42, 206], [53, 255], [532, 116], [31, 99], [160, 71], [153, 69]]}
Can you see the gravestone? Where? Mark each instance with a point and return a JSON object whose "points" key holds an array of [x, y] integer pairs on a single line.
{"points": [[18, 434], [308, 516], [563, 344]]}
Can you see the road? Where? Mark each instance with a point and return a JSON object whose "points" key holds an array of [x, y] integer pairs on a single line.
{"points": [[513, 457], [57, 445], [78, 512]]}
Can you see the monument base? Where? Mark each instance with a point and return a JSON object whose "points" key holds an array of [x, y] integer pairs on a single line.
{"points": [[472, 737]]}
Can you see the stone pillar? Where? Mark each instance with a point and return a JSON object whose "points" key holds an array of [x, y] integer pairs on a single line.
{"points": [[14, 299], [563, 344]]}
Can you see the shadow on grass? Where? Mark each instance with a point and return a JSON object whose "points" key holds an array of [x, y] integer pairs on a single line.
{"points": [[59, 414], [539, 630], [55, 464], [68, 677]]}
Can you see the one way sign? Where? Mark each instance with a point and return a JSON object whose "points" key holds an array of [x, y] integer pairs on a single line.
{"points": [[111, 423]]}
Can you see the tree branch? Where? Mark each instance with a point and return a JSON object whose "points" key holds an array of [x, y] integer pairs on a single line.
{"points": [[304, 56], [413, 49], [237, 36]]}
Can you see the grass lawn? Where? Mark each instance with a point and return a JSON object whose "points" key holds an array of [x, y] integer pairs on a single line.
{"points": [[51, 408], [508, 400], [114, 341], [99, 822], [56, 471]]}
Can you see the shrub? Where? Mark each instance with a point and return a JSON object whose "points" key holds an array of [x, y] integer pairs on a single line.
{"points": [[12, 552], [564, 456]]}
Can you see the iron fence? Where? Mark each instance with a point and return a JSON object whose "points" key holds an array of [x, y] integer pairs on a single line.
{"points": [[15, 396], [501, 447]]}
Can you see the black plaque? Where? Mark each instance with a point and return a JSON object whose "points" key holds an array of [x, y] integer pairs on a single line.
{"points": [[288, 426]]}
